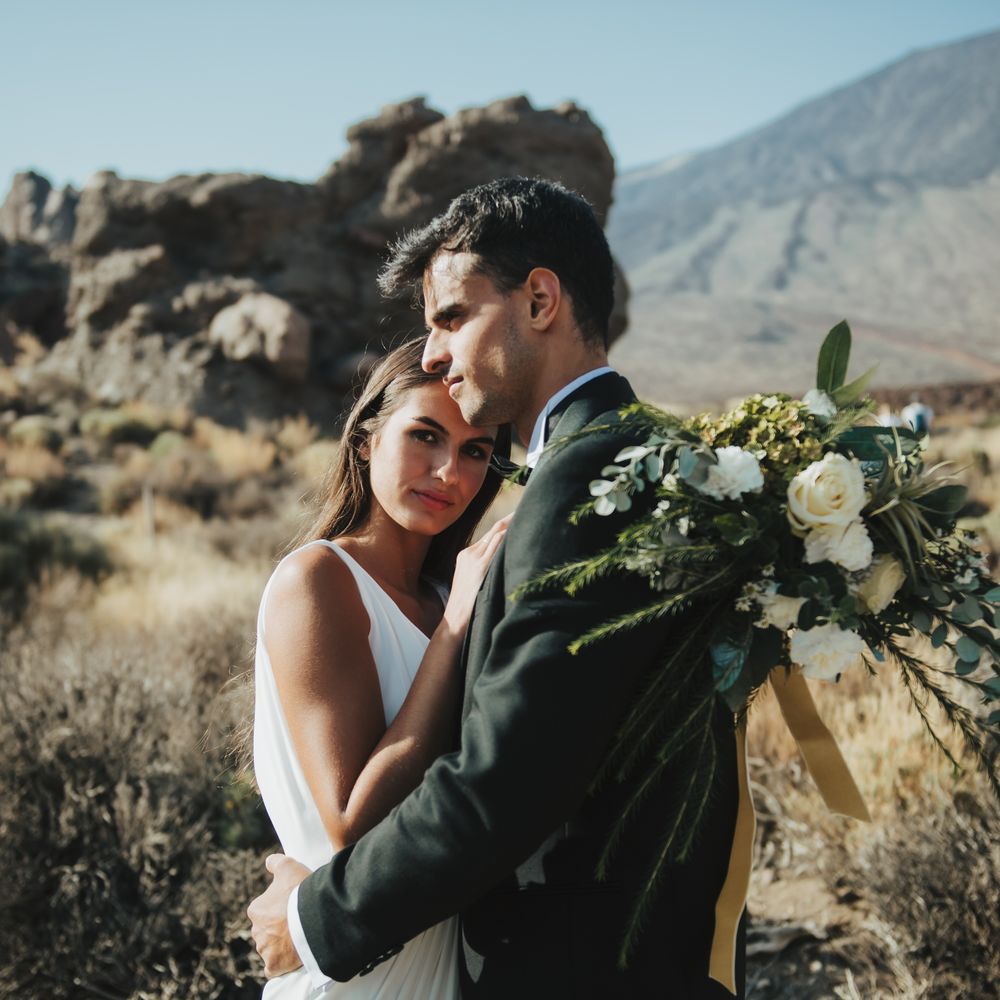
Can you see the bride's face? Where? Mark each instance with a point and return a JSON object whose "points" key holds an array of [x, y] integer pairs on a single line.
{"points": [[426, 462]]}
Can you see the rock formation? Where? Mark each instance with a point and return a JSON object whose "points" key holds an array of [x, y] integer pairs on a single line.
{"points": [[216, 290]]}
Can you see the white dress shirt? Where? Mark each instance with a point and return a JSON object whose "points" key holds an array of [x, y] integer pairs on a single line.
{"points": [[537, 443], [535, 448]]}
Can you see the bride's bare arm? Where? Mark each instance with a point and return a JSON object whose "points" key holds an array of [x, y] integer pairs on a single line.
{"points": [[316, 631]]}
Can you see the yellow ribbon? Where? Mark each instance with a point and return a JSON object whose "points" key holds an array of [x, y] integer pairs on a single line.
{"points": [[829, 770]]}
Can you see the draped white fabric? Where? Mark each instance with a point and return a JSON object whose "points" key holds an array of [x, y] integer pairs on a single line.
{"points": [[426, 968]]}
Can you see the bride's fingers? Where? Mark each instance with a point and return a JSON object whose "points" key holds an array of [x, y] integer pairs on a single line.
{"points": [[498, 528], [272, 861]]}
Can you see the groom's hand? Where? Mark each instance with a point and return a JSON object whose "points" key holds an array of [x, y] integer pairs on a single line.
{"points": [[268, 915]]}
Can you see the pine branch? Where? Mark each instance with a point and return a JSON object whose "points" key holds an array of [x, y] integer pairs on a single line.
{"points": [[647, 894], [971, 727]]}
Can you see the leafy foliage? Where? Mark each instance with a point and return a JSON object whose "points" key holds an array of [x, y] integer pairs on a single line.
{"points": [[870, 559]]}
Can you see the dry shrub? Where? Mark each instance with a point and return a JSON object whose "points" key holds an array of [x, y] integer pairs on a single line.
{"points": [[33, 548], [160, 418], [313, 463], [10, 388], [295, 434], [237, 453], [111, 426], [933, 884], [129, 852], [31, 462]]}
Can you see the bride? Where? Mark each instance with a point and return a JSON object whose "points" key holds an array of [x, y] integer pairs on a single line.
{"points": [[358, 643]]}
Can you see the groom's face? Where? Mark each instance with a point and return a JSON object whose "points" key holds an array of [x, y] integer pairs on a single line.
{"points": [[476, 340]]}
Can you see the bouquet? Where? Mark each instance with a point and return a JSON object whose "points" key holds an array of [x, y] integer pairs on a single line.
{"points": [[803, 536]]}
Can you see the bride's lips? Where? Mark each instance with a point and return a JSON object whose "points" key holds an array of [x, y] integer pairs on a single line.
{"points": [[436, 501], [452, 384]]}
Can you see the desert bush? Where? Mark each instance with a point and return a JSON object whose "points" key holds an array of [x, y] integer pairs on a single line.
{"points": [[295, 434], [31, 475], [932, 881], [314, 462], [32, 548], [36, 430], [117, 426], [237, 453], [129, 849]]}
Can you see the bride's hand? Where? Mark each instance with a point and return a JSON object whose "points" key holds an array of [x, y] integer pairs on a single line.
{"points": [[470, 568]]}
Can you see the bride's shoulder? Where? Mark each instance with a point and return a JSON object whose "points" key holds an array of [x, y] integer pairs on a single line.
{"points": [[312, 578]]}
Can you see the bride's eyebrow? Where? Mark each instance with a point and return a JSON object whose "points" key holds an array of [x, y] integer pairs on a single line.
{"points": [[431, 422]]}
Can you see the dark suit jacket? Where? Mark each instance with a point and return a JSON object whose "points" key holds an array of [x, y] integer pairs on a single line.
{"points": [[503, 830]]}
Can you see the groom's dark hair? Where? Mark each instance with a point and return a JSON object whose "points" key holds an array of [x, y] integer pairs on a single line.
{"points": [[513, 225]]}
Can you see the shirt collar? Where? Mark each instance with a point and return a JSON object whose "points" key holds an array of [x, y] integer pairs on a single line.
{"points": [[537, 443]]}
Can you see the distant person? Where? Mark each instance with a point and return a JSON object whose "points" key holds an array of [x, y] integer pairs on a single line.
{"points": [[918, 415], [358, 674], [517, 286], [888, 417]]}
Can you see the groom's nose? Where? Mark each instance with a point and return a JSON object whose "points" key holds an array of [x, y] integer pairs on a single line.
{"points": [[436, 359]]}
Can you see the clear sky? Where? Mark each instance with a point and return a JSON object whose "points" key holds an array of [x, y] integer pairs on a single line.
{"points": [[152, 89]]}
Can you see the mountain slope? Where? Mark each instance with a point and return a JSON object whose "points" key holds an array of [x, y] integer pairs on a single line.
{"points": [[879, 201]]}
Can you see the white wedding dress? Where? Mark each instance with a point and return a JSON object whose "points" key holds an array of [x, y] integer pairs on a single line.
{"points": [[427, 967]]}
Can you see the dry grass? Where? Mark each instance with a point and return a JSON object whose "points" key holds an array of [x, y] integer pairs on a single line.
{"points": [[237, 453], [129, 852], [193, 526], [295, 434], [31, 462]]}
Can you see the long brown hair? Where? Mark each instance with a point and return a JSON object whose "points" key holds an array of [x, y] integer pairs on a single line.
{"points": [[346, 493]]}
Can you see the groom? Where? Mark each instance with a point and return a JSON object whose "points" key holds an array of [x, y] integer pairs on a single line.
{"points": [[516, 281]]}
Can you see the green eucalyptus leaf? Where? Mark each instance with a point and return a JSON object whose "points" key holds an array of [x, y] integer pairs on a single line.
{"points": [[807, 616], [939, 596], [993, 719], [853, 391], [729, 648], [834, 355], [631, 453], [996, 618], [965, 667], [968, 649], [967, 612], [939, 636], [736, 529], [993, 595], [873, 444], [654, 467], [766, 652], [992, 687], [921, 621], [598, 487], [687, 461]]}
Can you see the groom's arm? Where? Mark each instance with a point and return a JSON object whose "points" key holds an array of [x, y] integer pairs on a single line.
{"points": [[539, 725]]}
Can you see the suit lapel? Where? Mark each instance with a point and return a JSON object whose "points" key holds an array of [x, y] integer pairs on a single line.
{"points": [[604, 394]]}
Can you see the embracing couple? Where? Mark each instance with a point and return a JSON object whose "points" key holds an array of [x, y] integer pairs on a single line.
{"points": [[427, 754]]}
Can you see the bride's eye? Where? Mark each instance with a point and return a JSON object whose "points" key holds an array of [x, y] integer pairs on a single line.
{"points": [[424, 436]]}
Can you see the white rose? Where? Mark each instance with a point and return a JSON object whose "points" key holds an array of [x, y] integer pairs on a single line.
{"points": [[882, 582], [826, 651], [830, 491], [819, 404], [777, 610], [849, 546], [736, 472]]}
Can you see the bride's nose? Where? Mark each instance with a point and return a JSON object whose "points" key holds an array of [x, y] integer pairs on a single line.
{"points": [[447, 470]]}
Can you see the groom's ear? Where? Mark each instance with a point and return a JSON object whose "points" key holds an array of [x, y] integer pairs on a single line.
{"points": [[544, 292]]}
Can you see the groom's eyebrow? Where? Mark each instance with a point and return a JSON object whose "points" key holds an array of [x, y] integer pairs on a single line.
{"points": [[431, 422], [445, 314]]}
